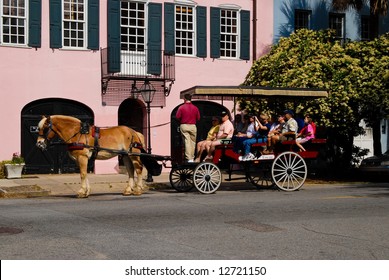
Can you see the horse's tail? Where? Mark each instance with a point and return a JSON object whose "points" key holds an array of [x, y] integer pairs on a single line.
{"points": [[151, 164]]}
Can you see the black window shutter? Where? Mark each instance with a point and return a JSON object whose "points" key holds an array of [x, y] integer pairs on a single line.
{"points": [[154, 45], [34, 25], [169, 34], [201, 19], [55, 24], [245, 35], [215, 32], [93, 24], [113, 31]]}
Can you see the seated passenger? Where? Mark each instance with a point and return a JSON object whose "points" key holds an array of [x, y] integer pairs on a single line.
{"points": [[306, 134], [212, 133], [226, 131], [242, 136], [238, 124], [260, 136], [289, 130], [275, 129]]}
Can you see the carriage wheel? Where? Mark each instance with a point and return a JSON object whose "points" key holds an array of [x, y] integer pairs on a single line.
{"points": [[289, 171], [207, 177], [181, 178], [259, 174]]}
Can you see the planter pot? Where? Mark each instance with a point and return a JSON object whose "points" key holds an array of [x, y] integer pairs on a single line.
{"points": [[14, 170]]}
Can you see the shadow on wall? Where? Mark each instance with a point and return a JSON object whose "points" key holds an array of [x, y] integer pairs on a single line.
{"points": [[319, 16]]}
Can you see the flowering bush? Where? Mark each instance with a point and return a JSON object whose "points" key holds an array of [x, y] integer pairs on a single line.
{"points": [[17, 159]]}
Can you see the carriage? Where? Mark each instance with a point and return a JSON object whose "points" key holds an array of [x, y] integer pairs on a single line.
{"points": [[286, 168]]}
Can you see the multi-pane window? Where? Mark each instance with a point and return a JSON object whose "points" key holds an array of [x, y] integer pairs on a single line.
{"points": [[74, 23], [336, 22], [14, 22], [366, 28], [185, 35], [133, 27], [229, 33], [302, 19]]}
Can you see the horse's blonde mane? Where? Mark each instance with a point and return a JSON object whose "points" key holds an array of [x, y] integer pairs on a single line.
{"points": [[69, 118], [42, 122], [62, 117]]}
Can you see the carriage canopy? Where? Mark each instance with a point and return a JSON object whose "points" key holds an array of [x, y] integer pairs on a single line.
{"points": [[217, 92]]}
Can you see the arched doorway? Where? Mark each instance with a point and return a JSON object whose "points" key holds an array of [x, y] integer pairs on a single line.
{"points": [[55, 159], [131, 114], [207, 110]]}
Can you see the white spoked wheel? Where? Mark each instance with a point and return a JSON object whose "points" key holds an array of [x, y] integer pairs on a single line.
{"points": [[289, 171], [207, 177]]}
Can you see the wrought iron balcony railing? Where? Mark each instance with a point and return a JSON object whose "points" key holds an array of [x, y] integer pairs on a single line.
{"points": [[137, 64]]}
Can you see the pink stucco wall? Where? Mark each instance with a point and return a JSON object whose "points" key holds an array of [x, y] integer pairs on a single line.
{"points": [[29, 74]]}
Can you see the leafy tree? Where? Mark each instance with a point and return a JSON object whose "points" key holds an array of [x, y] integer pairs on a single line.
{"points": [[313, 59], [374, 83], [376, 6]]}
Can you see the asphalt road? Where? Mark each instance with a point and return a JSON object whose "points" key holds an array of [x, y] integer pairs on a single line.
{"points": [[332, 222]]}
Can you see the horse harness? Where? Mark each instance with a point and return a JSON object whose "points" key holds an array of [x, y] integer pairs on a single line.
{"points": [[85, 128], [95, 131]]}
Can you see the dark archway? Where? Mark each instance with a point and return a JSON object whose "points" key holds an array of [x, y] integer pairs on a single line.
{"points": [[131, 114], [207, 110], [55, 159]]}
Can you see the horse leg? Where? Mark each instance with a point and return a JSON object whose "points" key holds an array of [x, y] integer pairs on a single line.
{"points": [[130, 170], [137, 165], [84, 191]]}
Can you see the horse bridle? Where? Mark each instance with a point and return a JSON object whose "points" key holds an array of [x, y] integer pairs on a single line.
{"points": [[49, 127]]}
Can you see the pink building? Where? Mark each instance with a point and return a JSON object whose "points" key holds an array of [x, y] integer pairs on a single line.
{"points": [[88, 58]]}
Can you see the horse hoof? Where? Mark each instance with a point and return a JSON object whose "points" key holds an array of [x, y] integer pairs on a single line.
{"points": [[137, 193], [82, 196], [127, 193]]}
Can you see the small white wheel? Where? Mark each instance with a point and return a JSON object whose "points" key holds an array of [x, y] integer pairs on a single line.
{"points": [[207, 177], [289, 171]]}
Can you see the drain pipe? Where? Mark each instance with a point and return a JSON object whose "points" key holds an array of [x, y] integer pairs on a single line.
{"points": [[254, 30]]}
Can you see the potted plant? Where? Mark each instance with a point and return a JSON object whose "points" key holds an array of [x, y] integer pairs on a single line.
{"points": [[14, 167]]}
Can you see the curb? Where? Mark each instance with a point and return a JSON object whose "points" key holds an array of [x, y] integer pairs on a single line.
{"points": [[23, 192]]}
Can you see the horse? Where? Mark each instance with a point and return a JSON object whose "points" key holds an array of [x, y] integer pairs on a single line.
{"points": [[89, 142]]}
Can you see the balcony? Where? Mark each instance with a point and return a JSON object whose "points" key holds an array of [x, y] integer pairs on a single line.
{"points": [[120, 76]]}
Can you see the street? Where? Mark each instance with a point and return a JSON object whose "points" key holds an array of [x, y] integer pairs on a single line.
{"points": [[335, 222]]}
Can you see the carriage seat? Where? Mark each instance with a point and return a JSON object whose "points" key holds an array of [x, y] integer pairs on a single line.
{"points": [[312, 147]]}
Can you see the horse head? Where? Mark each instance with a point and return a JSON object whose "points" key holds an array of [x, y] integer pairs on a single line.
{"points": [[46, 132]]}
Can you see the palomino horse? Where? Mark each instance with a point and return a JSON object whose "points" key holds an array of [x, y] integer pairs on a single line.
{"points": [[86, 142]]}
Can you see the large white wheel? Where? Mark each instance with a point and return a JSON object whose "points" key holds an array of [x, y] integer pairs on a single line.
{"points": [[289, 171], [207, 177]]}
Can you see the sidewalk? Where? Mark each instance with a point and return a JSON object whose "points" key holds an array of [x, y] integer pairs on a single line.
{"points": [[68, 184]]}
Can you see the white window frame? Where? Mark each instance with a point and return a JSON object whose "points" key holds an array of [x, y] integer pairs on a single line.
{"points": [[84, 21], [24, 18], [134, 62], [236, 34], [192, 31], [129, 25]]}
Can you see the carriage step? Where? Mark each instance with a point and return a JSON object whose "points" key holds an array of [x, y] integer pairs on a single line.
{"points": [[262, 157]]}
